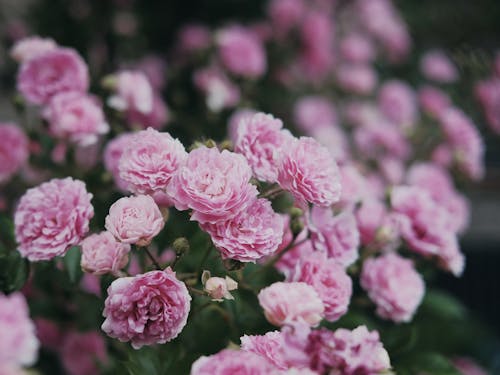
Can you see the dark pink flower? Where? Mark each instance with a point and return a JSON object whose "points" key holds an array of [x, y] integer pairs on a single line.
{"points": [[82, 351], [14, 150]]}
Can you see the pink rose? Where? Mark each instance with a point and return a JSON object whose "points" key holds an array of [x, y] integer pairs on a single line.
{"points": [[30, 47], [259, 139], [436, 66], [149, 161], [314, 112], [304, 248], [220, 92], [112, 153], [269, 346], [394, 285], [398, 102], [433, 100], [52, 217], [237, 118], [156, 118], [285, 14], [214, 184], [329, 279], [294, 302], [377, 227], [229, 362], [19, 345], [241, 52], [465, 141], [381, 139], [467, 366], [14, 150], [252, 234], [146, 309], [133, 92], [347, 352], [309, 172], [488, 94], [338, 236], [50, 73], [193, 37], [101, 254], [82, 351], [76, 117], [135, 220], [359, 79], [357, 48], [49, 333]]}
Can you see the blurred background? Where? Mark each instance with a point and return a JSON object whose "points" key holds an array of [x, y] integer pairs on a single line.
{"points": [[110, 33]]}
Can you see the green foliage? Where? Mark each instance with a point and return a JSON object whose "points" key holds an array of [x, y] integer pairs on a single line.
{"points": [[72, 264]]}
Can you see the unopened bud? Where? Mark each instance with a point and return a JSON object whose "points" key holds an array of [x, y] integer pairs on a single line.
{"points": [[210, 143], [226, 145], [296, 226], [296, 212], [180, 246], [219, 288]]}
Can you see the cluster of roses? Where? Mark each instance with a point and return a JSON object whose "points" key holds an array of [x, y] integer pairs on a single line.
{"points": [[387, 199]]}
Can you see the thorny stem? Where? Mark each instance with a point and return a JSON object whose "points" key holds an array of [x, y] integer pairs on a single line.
{"points": [[272, 192], [196, 291]]}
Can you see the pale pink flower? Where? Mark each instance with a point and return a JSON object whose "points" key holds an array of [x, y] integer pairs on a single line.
{"points": [[214, 184], [394, 285], [155, 69], [133, 92], [442, 155], [285, 14], [219, 288], [338, 236], [467, 366], [147, 309], [81, 351], [294, 302], [52, 217], [354, 186], [436, 66], [135, 220], [465, 141], [438, 183], [347, 352], [358, 79], [241, 52], [488, 94], [50, 73], [381, 138], [149, 161], [398, 102], [229, 362], [433, 100], [269, 346], [14, 150], [220, 92], [19, 345], [357, 48], [49, 333], [377, 227], [309, 172], [193, 37], [252, 234], [237, 118], [101, 254], [313, 112], [304, 248], [30, 47], [335, 140], [76, 117], [260, 139], [329, 279], [156, 118], [112, 153]]}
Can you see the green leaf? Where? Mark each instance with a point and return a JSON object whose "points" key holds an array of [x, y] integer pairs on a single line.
{"points": [[72, 263], [443, 305], [14, 271], [426, 363], [7, 230]]}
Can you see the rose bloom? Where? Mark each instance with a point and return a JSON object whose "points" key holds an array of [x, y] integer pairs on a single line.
{"points": [[50, 73], [436, 66], [30, 47], [252, 234], [309, 172], [214, 184], [147, 309], [237, 118], [76, 117], [157, 118], [287, 303], [112, 153], [220, 92], [347, 352], [260, 139], [229, 362], [132, 92], [358, 79], [14, 150], [101, 254], [18, 344], [487, 92], [377, 227], [398, 102], [433, 100], [304, 248], [149, 161], [49, 333], [314, 112], [338, 236], [241, 52], [394, 285], [269, 346], [219, 289], [52, 217], [134, 220], [193, 37], [329, 279], [80, 353], [357, 48], [285, 14]]}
